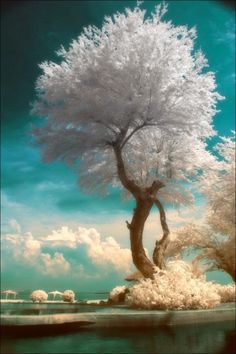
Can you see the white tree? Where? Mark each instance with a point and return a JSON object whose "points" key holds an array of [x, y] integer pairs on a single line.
{"points": [[39, 295], [68, 296], [132, 102], [215, 239]]}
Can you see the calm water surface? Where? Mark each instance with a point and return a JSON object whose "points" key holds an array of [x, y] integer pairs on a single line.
{"points": [[218, 338], [213, 338]]}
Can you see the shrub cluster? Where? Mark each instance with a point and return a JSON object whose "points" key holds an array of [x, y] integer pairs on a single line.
{"points": [[176, 288]]}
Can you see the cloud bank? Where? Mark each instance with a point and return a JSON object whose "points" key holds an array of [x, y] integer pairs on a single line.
{"points": [[55, 254]]}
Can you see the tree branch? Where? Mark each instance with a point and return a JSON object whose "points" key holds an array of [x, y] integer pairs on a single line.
{"points": [[160, 247], [107, 126], [145, 124], [164, 225], [127, 183]]}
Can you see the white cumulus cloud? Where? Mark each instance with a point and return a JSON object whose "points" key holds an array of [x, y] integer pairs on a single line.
{"points": [[104, 253], [101, 252], [53, 265]]}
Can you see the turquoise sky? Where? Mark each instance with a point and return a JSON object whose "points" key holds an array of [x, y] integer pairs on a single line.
{"points": [[39, 198]]}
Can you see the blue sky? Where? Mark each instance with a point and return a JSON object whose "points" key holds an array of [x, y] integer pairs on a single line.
{"points": [[40, 200]]}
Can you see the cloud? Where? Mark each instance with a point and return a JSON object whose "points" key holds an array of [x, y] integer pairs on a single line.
{"points": [[23, 247], [225, 34], [82, 253], [105, 254], [101, 252], [14, 225], [56, 264], [26, 249]]}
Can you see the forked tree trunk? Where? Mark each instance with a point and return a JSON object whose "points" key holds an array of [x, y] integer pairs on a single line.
{"points": [[140, 259], [161, 245], [145, 198]]}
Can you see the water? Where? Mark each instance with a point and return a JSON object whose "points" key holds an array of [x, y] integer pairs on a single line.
{"points": [[211, 338], [217, 338]]}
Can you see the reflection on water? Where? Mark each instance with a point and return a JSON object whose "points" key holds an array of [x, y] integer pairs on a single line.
{"points": [[214, 338], [45, 309], [35, 309]]}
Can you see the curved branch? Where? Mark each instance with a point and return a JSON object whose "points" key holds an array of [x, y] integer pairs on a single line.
{"points": [[127, 183], [160, 247], [136, 227], [106, 126], [145, 124], [164, 225]]}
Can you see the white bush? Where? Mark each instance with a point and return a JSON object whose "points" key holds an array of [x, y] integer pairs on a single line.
{"points": [[227, 292], [115, 294], [68, 296], [39, 295], [176, 288]]}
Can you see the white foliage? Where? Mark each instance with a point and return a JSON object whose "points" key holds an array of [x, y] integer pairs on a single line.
{"points": [[135, 81], [215, 236], [39, 296], [226, 292], [116, 292], [219, 187], [68, 296], [176, 288]]}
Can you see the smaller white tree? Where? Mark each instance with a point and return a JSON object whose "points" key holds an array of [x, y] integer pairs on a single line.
{"points": [[216, 237], [39, 296], [68, 296]]}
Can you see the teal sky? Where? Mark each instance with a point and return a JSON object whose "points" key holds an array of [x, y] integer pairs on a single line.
{"points": [[39, 198]]}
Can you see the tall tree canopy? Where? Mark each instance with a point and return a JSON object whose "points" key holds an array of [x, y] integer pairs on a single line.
{"points": [[134, 104]]}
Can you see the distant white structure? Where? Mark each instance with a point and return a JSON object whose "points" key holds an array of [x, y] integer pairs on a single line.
{"points": [[39, 296], [9, 292], [55, 293]]}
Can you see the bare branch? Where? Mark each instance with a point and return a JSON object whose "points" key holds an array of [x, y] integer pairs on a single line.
{"points": [[160, 247], [164, 225], [145, 124], [127, 183]]}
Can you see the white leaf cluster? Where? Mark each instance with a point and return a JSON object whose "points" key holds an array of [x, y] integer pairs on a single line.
{"points": [[136, 81], [227, 292], [219, 187], [176, 288], [68, 296], [215, 236], [115, 293], [39, 296]]}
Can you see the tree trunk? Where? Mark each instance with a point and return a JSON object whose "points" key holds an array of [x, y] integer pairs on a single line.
{"points": [[140, 259], [233, 275], [145, 198], [161, 245], [230, 270]]}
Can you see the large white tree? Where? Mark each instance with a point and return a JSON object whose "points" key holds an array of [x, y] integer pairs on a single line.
{"points": [[134, 104], [215, 238]]}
